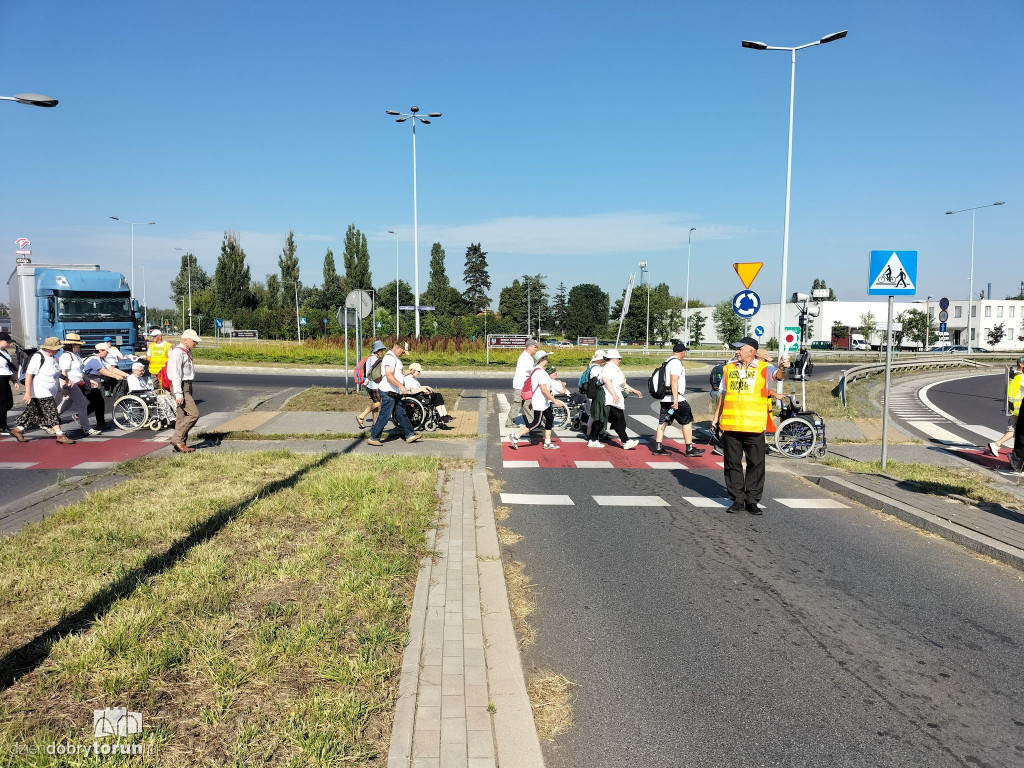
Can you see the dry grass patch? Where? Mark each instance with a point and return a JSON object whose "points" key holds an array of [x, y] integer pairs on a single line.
{"points": [[551, 700], [335, 399], [521, 601], [502, 512], [253, 607], [507, 536]]}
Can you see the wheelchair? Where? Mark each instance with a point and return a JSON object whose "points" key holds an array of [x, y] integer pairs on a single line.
{"points": [[421, 412], [138, 410], [569, 412], [799, 432]]}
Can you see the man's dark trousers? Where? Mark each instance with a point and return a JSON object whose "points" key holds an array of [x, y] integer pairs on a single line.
{"points": [[745, 490], [1017, 457], [389, 404]]}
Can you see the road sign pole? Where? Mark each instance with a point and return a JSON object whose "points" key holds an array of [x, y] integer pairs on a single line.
{"points": [[345, 310], [885, 398]]}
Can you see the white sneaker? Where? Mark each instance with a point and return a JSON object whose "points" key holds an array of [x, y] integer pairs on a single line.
{"points": [[93, 432], [630, 444], [551, 447], [595, 444], [513, 442], [994, 449]]}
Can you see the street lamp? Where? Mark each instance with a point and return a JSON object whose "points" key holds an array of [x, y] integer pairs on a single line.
{"points": [[970, 295], [643, 272], [686, 309], [145, 303], [131, 287], [397, 302], [32, 99], [298, 328], [189, 256], [758, 46], [413, 114]]}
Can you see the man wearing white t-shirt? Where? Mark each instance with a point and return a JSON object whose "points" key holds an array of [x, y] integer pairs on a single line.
{"points": [[541, 403], [524, 365], [673, 405], [392, 387]]}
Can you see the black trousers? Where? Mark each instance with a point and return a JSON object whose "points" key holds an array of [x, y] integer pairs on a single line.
{"points": [[744, 489], [1017, 456], [97, 406], [617, 423], [596, 428], [6, 400]]}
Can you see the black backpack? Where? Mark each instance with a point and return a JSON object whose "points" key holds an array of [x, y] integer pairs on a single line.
{"points": [[656, 383]]}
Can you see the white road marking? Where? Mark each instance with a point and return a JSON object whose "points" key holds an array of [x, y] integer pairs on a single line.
{"points": [[936, 432], [537, 499], [17, 464], [521, 464], [703, 501], [631, 501], [813, 504], [95, 465], [673, 430], [594, 465], [978, 429], [665, 465]]}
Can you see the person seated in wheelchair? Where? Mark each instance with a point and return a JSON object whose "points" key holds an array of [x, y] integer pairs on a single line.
{"points": [[435, 399], [138, 382]]}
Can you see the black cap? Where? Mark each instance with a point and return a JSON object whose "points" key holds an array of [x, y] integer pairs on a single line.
{"points": [[746, 341], [680, 347]]}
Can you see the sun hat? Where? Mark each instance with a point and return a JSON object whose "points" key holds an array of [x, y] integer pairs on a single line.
{"points": [[190, 334], [102, 347], [51, 343], [598, 355], [746, 341], [539, 355], [416, 367], [612, 354], [72, 338], [378, 346]]}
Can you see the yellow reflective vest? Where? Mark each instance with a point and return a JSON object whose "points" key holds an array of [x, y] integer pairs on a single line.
{"points": [[157, 354], [1013, 394], [745, 403]]}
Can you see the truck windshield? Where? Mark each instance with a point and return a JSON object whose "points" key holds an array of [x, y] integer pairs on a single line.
{"points": [[94, 308]]}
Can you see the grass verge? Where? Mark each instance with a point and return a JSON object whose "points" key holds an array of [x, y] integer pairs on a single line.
{"points": [[335, 399], [927, 478], [253, 608]]}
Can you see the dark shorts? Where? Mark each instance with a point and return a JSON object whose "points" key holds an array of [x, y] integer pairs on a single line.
{"points": [[682, 416], [373, 394]]}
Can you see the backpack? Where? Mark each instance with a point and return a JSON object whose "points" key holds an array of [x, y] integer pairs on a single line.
{"points": [[164, 379], [716, 376], [376, 372], [527, 391], [656, 384], [360, 376], [587, 385], [25, 360]]}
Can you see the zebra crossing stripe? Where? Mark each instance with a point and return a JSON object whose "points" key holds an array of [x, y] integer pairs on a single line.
{"points": [[705, 502], [665, 465], [592, 465], [813, 504], [631, 501], [521, 465], [537, 499]]}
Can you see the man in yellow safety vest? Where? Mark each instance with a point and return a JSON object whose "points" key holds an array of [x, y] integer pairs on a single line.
{"points": [[742, 414], [1014, 395], [157, 351]]}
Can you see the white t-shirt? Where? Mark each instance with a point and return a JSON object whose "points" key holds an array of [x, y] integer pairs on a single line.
{"points": [[6, 364], [114, 355], [370, 362], [139, 383], [523, 367], [540, 376], [674, 368], [44, 368], [411, 382], [71, 365], [391, 360], [615, 380], [557, 387]]}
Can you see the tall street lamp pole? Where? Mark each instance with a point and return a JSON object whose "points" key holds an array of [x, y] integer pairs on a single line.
{"points": [[189, 255], [758, 46], [145, 303], [686, 309], [644, 273], [397, 302], [970, 295], [413, 114], [131, 287]]}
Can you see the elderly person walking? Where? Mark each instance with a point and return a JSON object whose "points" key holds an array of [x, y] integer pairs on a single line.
{"points": [[742, 413], [371, 371], [524, 365], [392, 387], [181, 372], [43, 381], [540, 402], [615, 391], [73, 392], [8, 379]]}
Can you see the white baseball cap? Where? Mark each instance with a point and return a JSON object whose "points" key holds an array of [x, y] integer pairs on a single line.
{"points": [[155, 332], [190, 334]]}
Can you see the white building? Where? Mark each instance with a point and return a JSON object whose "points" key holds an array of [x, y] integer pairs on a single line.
{"points": [[986, 315]]}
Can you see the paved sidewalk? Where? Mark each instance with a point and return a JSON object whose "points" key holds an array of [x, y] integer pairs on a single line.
{"points": [[462, 698]]}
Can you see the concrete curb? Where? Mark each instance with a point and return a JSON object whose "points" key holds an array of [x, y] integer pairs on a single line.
{"points": [[35, 506], [972, 540]]}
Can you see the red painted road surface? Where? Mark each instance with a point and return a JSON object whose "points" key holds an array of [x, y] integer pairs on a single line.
{"points": [[986, 459], [637, 458], [45, 453]]}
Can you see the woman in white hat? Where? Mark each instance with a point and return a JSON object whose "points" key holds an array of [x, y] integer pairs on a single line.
{"points": [[412, 383], [615, 391], [43, 381], [541, 401]]}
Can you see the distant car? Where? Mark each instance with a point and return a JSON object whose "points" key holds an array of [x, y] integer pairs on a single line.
{"points": [[960, 349], [860, 346], [939, 348], [821, 344], [564, 344]]}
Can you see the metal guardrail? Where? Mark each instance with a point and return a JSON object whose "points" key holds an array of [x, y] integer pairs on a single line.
{"points": [[863, 371]]}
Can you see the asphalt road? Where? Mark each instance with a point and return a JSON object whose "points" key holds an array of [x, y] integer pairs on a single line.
{"points": [[806, 637], [973, 400]]}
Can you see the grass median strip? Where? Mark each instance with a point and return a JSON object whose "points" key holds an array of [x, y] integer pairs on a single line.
{"points": [[253, 608]]}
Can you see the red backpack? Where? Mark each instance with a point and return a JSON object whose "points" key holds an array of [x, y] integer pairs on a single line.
{"points": [[361, 372], [162, 376], [527, 391]]}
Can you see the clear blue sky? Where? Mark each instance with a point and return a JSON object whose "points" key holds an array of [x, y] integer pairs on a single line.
{"points": [[577, 139]]}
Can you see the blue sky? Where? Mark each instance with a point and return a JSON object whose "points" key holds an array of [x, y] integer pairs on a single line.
{"points": [[578, 138]]}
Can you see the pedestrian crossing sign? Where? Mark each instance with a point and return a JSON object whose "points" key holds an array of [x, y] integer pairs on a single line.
{"points": [[892, 273]]}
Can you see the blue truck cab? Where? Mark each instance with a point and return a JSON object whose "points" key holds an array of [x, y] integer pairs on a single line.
{"points": [[55, 299]]}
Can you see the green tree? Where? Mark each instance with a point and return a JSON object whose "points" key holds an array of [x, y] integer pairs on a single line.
{"points": [[728, 325], [386, 298], [356, 259], [332, 294], [868, 325], [696, 321], [560, 309], [535, 291], [180, 284], [512, 304], [439, 287], [231, 278], [587, 311], [476, 278], [917, 326], [288, 263], [996, 334]]}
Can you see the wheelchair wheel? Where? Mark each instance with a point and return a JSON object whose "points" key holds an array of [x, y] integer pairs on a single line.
{"points": [[415, 410], [795, 438], [560, 413], [130, 412], [431, 423], [820, 451]]}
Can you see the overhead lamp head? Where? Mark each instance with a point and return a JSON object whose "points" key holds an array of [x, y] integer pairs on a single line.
{"points": [[115, 218], [433, 114], [391, 112], [424, 120], [35, 99], [949, 213], [414, 110], [833, 36], [1003, 202], [757, 46], [401, 120]]}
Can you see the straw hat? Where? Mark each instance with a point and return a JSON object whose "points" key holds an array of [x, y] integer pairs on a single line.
{"points": [[51, 343], [72, 338]]}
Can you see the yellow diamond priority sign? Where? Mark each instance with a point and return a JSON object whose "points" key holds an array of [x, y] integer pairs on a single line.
{"points": [[747, 271]]}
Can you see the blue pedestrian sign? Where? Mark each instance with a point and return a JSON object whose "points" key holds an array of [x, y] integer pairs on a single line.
{"points": [[302, 321], [942, 327], [892, 273], [745, 304], [219, 323], [759, 331]]}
